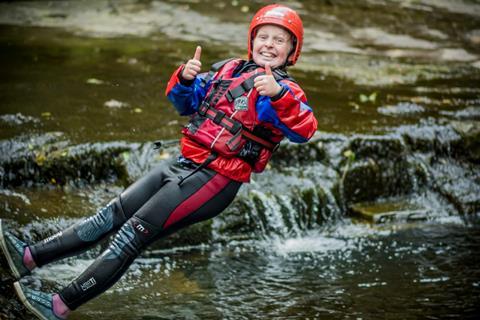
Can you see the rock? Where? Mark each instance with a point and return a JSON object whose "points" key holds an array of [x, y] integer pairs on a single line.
{"points": [[370, 179], [141, 158], [49, 159], [401, 109], [322, 147], [391, 211], [430, 137], [25, 145], [196, 234], [313, 209], [294, 154], [377, 147], [458, 182], [376, 166], [237, 222], [469, 145], [304, 187], [276, 204], [11, 308], [468, 113]]}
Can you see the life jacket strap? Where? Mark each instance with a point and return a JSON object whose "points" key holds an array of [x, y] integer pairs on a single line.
{"points": [[213, 69], [233, 126], [205, 163], [265, 143], [219, 117], [242, 88], [249, 83]]}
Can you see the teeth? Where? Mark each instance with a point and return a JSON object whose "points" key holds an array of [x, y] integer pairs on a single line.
{"points": [[268, 55]]}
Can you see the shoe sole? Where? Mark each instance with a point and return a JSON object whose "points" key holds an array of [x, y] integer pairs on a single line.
{"points": [[6, 253], [23, 299]]}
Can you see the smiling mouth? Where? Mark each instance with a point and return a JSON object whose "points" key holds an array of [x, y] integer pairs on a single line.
{"points": [[268, 55]]}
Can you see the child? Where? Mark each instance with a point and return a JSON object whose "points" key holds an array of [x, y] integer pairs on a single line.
{"points": [[240, 111]]}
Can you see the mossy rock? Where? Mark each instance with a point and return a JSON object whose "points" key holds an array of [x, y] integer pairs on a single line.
{"points": [[26, 145], [469, 145], [368, 180], [256, 213], [459, 183], [294, 154], [312, 207], [195, 234], [11, 307], [238, 221], [55, 163], [430, 138], [389, 211], [377, 147], [88, 162]]}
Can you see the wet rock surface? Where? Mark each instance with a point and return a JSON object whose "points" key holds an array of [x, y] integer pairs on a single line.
{"points": [[397, 211], [331, 171], [48, 159], [11, 307]]}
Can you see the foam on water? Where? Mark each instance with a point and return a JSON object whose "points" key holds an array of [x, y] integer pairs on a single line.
{"points": [[346, 236], [310, 243], [63, 272]]}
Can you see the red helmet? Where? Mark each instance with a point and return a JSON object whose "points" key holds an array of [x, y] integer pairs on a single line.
{"points": [[282, 16]]}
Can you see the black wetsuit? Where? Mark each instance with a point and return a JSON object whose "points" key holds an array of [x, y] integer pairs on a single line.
{"points": [[151, 208]]}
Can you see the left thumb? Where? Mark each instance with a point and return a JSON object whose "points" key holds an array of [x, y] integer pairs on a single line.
{"points": [[268, 69]]}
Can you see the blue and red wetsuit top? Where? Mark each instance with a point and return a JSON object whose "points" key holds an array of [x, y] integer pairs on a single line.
{"points": [[285, 115]]}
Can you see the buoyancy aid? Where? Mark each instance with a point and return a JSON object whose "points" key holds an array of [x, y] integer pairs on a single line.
{"points": [[226, 121]]}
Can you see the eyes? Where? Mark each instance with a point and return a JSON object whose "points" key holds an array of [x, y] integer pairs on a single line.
{"points": [[277, 40]]}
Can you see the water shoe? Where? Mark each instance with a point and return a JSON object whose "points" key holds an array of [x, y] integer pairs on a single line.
{"points": [[13, 250], [37, 302]]}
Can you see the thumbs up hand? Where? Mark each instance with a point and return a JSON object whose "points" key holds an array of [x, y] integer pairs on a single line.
{"points": [[193, 66], [267, 85]]}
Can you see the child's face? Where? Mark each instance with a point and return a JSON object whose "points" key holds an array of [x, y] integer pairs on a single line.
{"points": [[272, 44]]}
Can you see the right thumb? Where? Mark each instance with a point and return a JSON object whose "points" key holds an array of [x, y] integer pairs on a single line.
{"points": [[197, 54]]}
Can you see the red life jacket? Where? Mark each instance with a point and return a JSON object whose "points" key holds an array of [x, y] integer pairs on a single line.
{"points": [[226, 120]]}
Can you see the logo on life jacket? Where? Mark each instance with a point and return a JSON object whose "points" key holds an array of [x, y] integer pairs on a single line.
{"points": [[241, 103]]}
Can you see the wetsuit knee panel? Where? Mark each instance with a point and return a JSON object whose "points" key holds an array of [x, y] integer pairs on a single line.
{"points": [[132, 238], [80, 236], [108, 218]]}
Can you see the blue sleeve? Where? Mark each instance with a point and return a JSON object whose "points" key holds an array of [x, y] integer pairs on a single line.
{"points": [[187, 99], [267, 113]]}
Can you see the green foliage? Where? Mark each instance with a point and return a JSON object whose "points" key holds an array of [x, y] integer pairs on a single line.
{"points": [[372, 97]]}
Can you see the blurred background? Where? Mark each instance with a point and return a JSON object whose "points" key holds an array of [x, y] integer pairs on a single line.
{"points": [[97, 70]]}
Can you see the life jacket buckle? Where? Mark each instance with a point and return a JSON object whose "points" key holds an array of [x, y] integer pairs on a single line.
{"points": [[236, 126], [219, 115], [249, 83], [229, 96], [202, 110]]}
